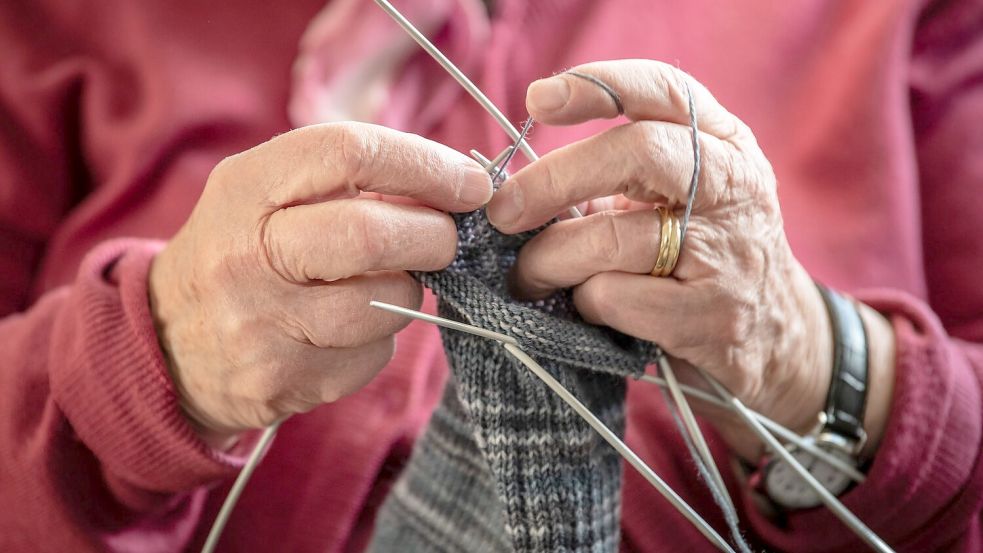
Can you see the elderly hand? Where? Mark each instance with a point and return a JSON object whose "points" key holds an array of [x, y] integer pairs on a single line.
{"points": [[738, 303], [261, 299]]}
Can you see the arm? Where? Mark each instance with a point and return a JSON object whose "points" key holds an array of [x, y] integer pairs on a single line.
{"points": [[102, 455], [925, 485], [96, 452]]}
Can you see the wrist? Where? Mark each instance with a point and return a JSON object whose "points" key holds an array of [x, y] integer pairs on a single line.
{"points": [[167, 307], [807, 371]]}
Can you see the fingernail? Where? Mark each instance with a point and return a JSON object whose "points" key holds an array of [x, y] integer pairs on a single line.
{"points": [[476, 188], [507, 205], [549, 94]]}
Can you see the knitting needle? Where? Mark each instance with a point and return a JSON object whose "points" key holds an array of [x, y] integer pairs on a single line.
{"points": [[492, 165], [507, 126], [508, 157], [828, 499], [258, 452], [689, 421], [783, 432], [464, 81], [513, 348], [772, 426], [492, 109], [447, 323], [620, 446]]}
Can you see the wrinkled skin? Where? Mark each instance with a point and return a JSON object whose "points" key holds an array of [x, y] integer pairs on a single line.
{"points": [[261, 299], [738, 304]]}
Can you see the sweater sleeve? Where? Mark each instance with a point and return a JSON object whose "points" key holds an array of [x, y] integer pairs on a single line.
{"points": [[100, 452], [95, 453], [924, 490]]}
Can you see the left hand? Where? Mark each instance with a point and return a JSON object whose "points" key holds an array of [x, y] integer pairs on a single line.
{"points": [[738, 304]]}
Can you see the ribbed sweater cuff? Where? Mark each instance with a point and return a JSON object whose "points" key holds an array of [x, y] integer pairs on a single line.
{"points": [[928, 455], [113, 385]]}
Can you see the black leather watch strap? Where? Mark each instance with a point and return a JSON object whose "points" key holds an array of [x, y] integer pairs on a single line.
{"points": [[847, 396]]}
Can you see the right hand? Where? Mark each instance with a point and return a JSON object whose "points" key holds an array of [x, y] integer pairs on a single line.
{"points": [[261, 300]]}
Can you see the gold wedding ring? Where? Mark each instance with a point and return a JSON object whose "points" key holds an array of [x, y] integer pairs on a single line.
{"points": [[669, 240]]}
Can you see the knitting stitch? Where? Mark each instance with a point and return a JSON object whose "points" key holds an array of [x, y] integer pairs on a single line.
{"points": [[504, 464]]}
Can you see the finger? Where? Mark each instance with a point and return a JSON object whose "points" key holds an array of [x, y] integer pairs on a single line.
{"points": [[344, 238], [337, 160], [338, 315], [646, 161], [569, 252], [648, 90], [660, 310], [618, 202]]}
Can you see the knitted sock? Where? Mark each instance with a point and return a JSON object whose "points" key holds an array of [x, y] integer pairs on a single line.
{"points": [[505, 465]]}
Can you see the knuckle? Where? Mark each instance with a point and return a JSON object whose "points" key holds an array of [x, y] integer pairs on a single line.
{"points": [[353, 147], [366, 240], [598, 296], [675, 83], [272, 250], [227, 172], [222, 169], [604, 241], [552, 186], [653, 140]]}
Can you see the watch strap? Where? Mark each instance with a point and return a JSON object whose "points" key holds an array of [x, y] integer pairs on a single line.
{"points": [[847, 397]]}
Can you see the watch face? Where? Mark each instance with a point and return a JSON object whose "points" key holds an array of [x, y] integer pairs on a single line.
{"points": [[789, 490]]}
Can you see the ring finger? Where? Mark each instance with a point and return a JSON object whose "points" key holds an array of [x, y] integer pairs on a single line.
{"points": [[569, 252]]}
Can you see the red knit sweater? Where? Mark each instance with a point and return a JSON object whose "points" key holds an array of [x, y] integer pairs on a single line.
{"points": [[112, 113]]}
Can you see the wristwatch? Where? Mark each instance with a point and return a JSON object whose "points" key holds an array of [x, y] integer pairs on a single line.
{"points": [[839, 430]]}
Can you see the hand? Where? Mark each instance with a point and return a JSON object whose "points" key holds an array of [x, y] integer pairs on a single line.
{"points": [[738, 303], [261, 299]]}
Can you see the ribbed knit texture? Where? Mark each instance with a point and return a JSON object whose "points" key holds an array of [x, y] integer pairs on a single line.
{"points": [[131, 417], [505, 465]]}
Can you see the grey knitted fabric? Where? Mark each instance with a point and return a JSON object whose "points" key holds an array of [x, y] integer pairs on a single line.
{"points": [[505, 465]]}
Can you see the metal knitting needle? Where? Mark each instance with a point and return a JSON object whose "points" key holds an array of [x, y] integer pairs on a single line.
{"points": [[447, 323], [527, 150], [831, 502], [508, 157], [464, 81], [620, 446], [772, 426], [521, 143], [783, 432], [493, 164], [689, 421], [257, 454], [513, 348]]}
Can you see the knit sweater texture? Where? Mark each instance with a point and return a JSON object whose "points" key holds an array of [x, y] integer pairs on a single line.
{"points": [[505, 464]]}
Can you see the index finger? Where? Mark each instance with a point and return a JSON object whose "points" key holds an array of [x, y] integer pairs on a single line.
{"points": [[338, 160], [645, 89]]}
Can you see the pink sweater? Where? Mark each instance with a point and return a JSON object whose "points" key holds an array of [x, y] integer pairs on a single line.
{"points": [[112, 113]]}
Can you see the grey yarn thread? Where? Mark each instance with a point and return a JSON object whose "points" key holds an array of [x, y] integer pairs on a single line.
{"points": [[730, 515], [515, 148], [603, 86], [695, 179]]}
